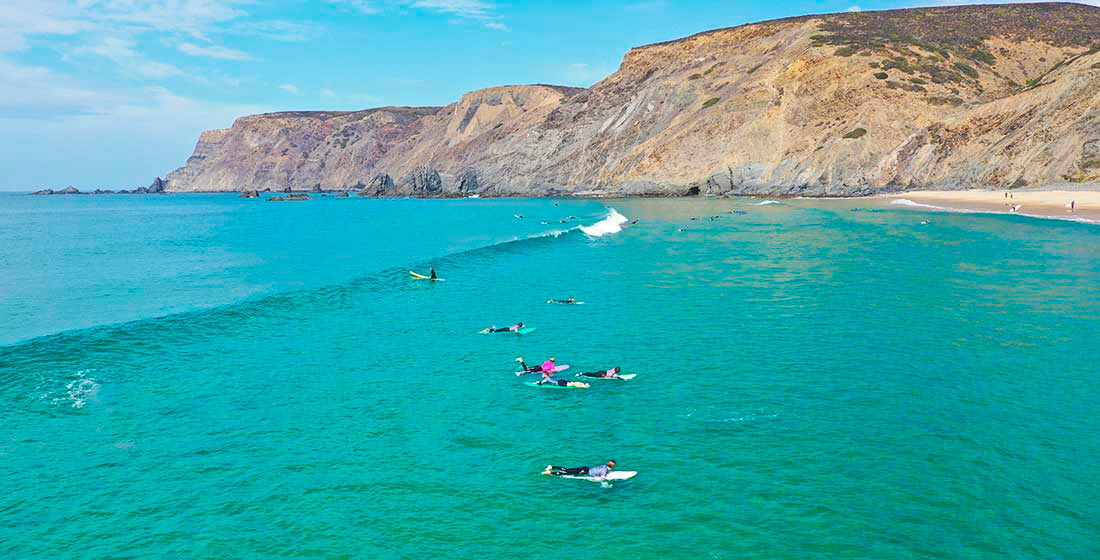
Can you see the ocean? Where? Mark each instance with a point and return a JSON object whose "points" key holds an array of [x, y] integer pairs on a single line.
{"points": [[210, 377]]}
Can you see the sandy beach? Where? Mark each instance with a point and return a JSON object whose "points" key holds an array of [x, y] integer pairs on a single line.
{"points": [[1037, 203]]}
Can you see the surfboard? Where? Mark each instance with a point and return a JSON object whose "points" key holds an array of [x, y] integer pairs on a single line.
{"points": [[562, 367], [565, 302], [419, 276], [535, 384], [624, 377], [613, 475]]}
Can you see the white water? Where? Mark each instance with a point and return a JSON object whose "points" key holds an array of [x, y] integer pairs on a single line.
{"points": [[611, 224]]}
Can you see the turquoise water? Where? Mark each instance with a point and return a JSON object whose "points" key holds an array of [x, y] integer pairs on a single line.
{"points": [[214, 377]]}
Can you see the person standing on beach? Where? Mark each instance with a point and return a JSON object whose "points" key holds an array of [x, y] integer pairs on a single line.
{"points": [[1072, 205]]}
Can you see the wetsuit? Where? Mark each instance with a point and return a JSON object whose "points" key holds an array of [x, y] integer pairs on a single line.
{"points": [[506, 329], [530, 369], [604, 373], [564, 301], [433, 274], [552, 381], [597, 471]]}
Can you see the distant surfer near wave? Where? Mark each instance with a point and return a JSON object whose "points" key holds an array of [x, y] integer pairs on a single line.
{"points": [[597, 471], [567, 301], [433, 272], [514, 328], [611, 373]]}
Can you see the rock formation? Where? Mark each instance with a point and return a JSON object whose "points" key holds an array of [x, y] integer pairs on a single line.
{"points": [[835, 105]]}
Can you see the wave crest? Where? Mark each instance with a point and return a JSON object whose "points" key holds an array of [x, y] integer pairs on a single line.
{"points": [[611, 224]]}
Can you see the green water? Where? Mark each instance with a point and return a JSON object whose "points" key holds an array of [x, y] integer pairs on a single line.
{"points": [[812, 382]]}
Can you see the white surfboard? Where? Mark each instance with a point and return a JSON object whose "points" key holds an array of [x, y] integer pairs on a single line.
{"points": [[613, 475]]}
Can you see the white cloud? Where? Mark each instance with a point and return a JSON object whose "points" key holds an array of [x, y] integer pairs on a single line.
{"points": [[328, 93], [213, 51], [289, 88], [130, 62]]}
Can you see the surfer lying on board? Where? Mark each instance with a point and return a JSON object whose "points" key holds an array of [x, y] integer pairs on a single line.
{"points": [[570, 300], [548, 377], [598, 471], [535, 368], [613, 372], [512, 328]]}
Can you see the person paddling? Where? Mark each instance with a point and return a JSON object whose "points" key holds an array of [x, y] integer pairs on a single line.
{"points": [[531, 369], [514, 328], [566, 301], [548, 377], [612, 373], [598, 471]]}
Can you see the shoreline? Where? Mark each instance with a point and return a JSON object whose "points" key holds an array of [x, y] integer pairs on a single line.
{"points": [[1045, 204]]}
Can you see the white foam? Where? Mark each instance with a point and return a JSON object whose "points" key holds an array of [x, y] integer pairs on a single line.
{"points": [[76, 392], [907, 202], [766, 202], [611, 224]]}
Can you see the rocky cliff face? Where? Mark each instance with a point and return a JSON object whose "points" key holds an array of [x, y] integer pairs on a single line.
{"points": [[837, 105]]}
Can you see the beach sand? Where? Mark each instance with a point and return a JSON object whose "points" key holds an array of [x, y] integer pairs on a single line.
{"points": [[1036, 203]]}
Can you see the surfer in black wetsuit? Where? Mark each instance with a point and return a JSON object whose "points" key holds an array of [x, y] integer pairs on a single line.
{"points": [[612, 373], [597, 471], [514, 328], [531, 369], [567, 301], [433, 273]]}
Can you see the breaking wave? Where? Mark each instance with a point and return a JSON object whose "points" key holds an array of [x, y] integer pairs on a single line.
{"points": [[611, 224]]}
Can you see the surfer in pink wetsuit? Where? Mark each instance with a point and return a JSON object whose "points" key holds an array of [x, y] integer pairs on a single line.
{"points": [[548, 377], [531, 369]]}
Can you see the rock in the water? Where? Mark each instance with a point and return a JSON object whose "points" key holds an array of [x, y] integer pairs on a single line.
{"points": [[290, 197], [43, 191], [249, 194], [69, 190], [341, 194], [158, 185]]}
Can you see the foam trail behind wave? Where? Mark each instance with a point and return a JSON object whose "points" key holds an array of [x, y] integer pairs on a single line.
{"points": [[907, 202], [766, 202], [611, 224]]}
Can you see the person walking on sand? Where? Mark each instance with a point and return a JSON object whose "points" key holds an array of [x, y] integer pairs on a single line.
{"points": [[1072, 205]]}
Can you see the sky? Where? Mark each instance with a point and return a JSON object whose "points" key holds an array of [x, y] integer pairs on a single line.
{"points": [[112, 93]]}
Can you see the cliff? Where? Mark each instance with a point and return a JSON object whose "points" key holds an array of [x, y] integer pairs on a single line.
{"points": [[835, 105]]}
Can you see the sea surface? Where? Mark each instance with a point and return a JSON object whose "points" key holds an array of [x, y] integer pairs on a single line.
{"points": [[201, 376]]}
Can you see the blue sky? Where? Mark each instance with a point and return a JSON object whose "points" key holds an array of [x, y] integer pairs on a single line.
{"points": [[111, 93]]}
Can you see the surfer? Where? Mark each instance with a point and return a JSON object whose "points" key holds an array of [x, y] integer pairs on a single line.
{"points": [[598, 471], [567, 301], [514, 328], [433, 272], [548, 377], [532, 369], [611, 373]]}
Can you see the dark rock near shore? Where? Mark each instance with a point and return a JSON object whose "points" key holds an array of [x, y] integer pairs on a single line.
{"points": [[342, 194], [157, 186], [290, 197], [249, 194]]}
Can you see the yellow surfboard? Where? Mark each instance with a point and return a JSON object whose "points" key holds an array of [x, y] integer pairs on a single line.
{"points": [[419, 276]]}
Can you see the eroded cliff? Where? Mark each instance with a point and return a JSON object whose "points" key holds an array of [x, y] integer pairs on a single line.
{"points": [[836, 105]]}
